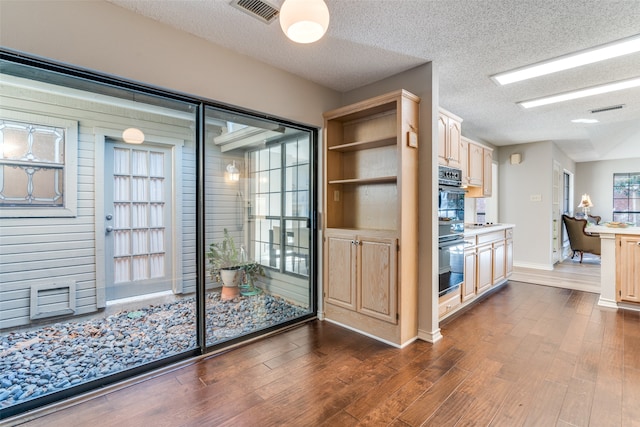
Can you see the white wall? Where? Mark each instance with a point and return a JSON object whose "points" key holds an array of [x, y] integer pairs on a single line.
{"points": [[596, 179], [519, 188]]}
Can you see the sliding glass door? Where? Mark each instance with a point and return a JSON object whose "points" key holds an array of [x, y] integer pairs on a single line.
{"points": [[257, 224]]}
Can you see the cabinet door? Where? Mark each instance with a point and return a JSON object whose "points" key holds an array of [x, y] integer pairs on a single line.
{"points": [[485, 264], [455, 135], [476, 162], [377, 278], [443, 137], [487, 173], [628, 270], [464, 161], [469, 286], [498, 262], [340, 280], [508, 257]]}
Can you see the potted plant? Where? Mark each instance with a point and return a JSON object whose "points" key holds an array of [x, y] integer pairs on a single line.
{"points": [[251, 271], [225, 265]]}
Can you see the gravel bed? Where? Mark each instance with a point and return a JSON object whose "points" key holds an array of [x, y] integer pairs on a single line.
{"points": [[52, 358]]}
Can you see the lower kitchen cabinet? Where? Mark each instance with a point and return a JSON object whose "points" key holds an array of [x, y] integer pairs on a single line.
{"points": [[485, 265], [470, 267], [363, 274], [628, 268], [488, 262], [498, 271]]}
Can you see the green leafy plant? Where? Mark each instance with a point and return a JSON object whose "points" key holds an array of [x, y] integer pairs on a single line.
{"points": [[223, 255]]}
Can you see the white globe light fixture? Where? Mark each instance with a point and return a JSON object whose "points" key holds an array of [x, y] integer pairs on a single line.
{"points": [[133, 136], [304, 21]]}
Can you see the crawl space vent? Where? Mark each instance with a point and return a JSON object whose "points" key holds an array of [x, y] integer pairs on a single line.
{"points": [[258, 9], [603, 109]]}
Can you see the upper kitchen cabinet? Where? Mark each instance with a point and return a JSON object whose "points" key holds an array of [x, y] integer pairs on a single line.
{"points": [[449, 139], [370, 216], [478, 174]]}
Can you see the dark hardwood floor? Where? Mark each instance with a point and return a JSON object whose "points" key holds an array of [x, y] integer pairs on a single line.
{"points": [[528, 355]]}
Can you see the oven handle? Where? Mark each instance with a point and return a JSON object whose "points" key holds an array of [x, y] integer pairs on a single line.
{"points": [[448, 243]]}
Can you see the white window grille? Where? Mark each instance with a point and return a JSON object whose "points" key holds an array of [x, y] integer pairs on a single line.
{"points": [[37, 166]]}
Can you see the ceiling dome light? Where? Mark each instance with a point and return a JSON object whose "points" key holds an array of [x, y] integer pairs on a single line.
{"points": [[304, 21], [133, 136]]}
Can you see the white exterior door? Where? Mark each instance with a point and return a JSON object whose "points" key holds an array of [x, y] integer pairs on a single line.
{"points": [[137, 220]]}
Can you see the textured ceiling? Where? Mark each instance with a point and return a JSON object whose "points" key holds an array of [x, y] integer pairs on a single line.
{"points": [[468, 40]]}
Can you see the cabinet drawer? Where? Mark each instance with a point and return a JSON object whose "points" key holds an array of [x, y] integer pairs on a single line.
{"points": [[449, 302], [490, 237]]}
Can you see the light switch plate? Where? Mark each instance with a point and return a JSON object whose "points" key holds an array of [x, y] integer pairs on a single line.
{"points": [[412, 139]]}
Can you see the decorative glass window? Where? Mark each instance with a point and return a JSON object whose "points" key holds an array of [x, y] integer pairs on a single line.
{"points": [[626, 198], [34, 167]]}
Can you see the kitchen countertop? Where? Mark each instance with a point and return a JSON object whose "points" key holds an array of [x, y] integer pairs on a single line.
{"points": [[603, 229], [474, 230]]}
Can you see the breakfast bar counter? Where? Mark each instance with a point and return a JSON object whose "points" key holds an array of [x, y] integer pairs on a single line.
{"points": [[620, 266]]}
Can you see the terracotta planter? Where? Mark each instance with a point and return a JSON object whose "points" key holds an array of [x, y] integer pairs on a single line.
{"points": [[230, 281]]}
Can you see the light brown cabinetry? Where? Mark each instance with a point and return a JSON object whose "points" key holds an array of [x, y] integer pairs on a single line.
{"points": [[370, 221], [479, 173], [485, 266], [470, 268], [363, 274], [472, 167], [628, 268], [508, 252], [449, 302], [449, 139], [498, 273], [488, 262]]}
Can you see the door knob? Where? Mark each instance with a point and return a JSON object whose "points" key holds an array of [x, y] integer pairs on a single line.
{"points": [[109, 217], [109, 229]]}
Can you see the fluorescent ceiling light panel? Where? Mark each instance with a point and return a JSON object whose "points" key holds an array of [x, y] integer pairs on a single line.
{"points": [[578, 59], [584, 121], [582, 93]]}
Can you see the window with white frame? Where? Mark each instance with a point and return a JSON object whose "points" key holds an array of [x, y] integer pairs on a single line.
{"points": [[626, 198], [37, 166]]}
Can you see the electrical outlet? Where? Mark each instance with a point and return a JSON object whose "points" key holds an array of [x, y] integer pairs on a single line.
{"points": [[535, 197]]}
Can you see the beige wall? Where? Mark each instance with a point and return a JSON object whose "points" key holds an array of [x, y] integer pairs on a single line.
{"points": [[101, 36]]}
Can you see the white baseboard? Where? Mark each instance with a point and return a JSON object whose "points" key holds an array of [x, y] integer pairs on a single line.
{"points": [[547, 267], [431, 337], [605, 302], [406, 343]]}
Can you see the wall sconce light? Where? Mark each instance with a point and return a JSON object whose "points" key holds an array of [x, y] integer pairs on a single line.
{"points": [[133, 136], [304, 21], [515, 159], [233, 174]]}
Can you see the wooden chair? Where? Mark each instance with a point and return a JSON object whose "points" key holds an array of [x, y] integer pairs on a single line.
{"points": [[579, 239]]}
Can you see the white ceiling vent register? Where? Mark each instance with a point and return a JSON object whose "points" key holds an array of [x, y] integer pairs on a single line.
{"points": [[259, 9]]}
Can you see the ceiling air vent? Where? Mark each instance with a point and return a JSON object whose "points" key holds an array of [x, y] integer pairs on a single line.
{"points": [[613, 107], [258, 9]]}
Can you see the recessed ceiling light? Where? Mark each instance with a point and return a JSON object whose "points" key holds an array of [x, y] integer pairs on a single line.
{"points": [[565, 62], [584, 121], [582, 93]]}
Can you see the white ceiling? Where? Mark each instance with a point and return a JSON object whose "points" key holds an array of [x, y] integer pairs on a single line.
{"points": [[468, 40]]}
